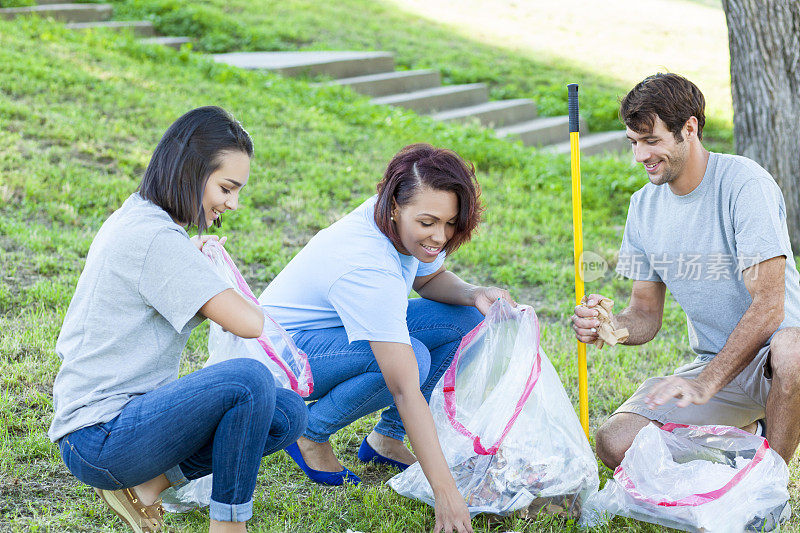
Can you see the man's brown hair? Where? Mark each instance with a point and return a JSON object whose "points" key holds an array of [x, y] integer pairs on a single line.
{"points": [[670, 97]]}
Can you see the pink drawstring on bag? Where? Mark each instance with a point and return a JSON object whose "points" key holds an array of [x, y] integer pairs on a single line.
{"points": [[695, 499], [274, 343], [450, 388]]}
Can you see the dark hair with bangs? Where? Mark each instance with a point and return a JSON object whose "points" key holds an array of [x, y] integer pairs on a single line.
{"points": [[187, 154], [421, 165], [670, 97]]}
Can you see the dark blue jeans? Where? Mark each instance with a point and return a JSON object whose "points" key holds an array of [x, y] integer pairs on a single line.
{"points": [[348, 383], [222, 419]]}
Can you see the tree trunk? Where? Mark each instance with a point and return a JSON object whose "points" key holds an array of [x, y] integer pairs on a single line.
{"points": [[764, 38]]}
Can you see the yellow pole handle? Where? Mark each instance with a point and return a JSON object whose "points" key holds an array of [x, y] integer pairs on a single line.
{"points": [[577, 224]]}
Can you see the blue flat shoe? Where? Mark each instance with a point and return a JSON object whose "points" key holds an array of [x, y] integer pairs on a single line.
{"points": [[318, 476], [367, 454]]}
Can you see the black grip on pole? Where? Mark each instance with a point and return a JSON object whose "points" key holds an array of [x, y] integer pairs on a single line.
{"points": [[572, 101]]}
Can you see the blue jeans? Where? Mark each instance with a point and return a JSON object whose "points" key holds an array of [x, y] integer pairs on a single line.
{"points": [[228, 415], [348, 383]]}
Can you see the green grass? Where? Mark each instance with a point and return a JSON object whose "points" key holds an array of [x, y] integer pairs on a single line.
{"points": [[79, 117]]}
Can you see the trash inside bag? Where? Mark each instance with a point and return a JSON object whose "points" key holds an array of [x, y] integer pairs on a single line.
{"points": [[274, 348], [506, 426], [696, 478]]}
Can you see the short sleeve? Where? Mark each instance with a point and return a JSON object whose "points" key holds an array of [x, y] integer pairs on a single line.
{"points": [[177, 279], [372, 305], [759, 223], [426, 269], [633, 261]]}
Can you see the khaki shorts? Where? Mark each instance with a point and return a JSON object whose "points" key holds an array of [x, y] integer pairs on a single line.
{"points": [[739, 403]]}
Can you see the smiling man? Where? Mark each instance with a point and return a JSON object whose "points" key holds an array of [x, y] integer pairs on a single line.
{"points": [[711, 228]]}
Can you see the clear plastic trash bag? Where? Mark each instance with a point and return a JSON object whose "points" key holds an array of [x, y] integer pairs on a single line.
{"points": [[274, 348], [195, 494], [696, 478], [506, 426]]}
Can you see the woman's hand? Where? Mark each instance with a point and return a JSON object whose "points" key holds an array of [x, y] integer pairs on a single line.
{"points": [[201, 240], [484, 297], [451, 512]]}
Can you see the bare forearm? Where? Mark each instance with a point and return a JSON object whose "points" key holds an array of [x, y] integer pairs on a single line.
{"points": [[751, 333], [642, 327], [235, 313], [448, 288], [421, 430]]}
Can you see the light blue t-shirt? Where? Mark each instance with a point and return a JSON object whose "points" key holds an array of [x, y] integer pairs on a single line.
{"points": [[350, 275], [698, 244]]}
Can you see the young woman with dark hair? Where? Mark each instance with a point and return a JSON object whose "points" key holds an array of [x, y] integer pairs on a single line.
{"points": [[124, 422], [344, 298]]}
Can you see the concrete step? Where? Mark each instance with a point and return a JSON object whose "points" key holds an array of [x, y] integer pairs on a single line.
{"points": [[334, 64], [62, 12], [172, 42], [492, 114], [597, 143], [540, 131], [140, 28], [387, 83], [438, 98]]}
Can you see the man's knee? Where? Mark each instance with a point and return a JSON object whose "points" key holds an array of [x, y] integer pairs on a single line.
{"points": [[606, 445], [785, 357], [613, 438]]}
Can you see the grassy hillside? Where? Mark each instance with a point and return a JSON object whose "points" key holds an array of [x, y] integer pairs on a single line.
{"points": [[79, 117], [234, 25]]}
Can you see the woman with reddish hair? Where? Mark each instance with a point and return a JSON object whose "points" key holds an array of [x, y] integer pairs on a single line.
{"points": [[344, 299]]}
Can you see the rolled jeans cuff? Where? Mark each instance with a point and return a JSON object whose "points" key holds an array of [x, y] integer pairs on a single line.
{"points": [[231, 512], [175, 477], [390, 429]]}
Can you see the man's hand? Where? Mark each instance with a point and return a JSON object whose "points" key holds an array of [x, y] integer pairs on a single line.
{"points": [[765, 283], [687, 391], [484, 297], [201, 240], [584, 320]]}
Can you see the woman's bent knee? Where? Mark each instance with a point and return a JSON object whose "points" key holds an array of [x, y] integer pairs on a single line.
{"points": [[473, 317], [248, 377], [466, 317], [290, 418], [423, 357]]}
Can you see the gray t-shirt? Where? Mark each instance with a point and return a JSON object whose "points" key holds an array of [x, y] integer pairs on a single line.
{"points": [[698, 244], [133, 310]]}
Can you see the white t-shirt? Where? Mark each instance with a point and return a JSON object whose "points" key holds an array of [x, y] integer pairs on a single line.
{"points": [[350, 275]]}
